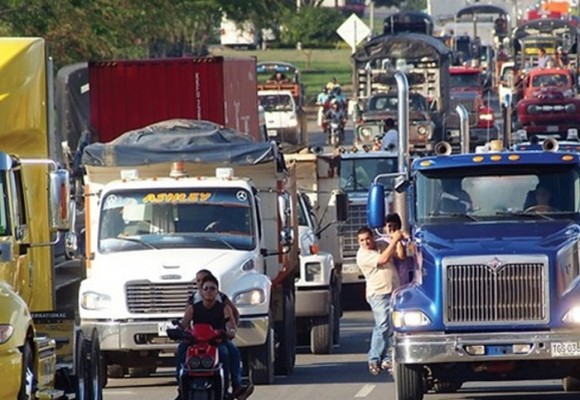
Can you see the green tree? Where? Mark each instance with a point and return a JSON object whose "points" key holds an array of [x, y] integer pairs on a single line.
{"points": [[313, 27]]}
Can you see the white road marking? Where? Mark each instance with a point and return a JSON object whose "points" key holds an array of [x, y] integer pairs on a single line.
{"points": [[365, 391]]}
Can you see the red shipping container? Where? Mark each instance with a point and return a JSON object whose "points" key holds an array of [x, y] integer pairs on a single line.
{"points": [[130, 94]]}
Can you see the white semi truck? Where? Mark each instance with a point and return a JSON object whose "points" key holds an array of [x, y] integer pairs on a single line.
{"points": [[167, 201]]}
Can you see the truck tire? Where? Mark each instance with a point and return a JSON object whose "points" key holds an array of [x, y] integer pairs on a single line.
{"points": [[261, 362], [95, 368], [286, 337], [28, 377], [322, 334], [571, 384], [408, 381], [81, 367], [116, 371]]}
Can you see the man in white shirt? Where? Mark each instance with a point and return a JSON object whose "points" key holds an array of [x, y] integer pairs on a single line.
{"points": [[391, 138], [382, 278]]}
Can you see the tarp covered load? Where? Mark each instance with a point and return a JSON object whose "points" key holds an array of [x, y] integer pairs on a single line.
{"points": [[182, 140]]}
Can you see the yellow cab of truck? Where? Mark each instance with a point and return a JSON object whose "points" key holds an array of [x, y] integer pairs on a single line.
{"points": [[39, 340]]}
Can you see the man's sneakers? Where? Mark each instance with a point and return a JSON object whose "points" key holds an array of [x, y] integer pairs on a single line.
{"points": [[242, 392], [387, 365]]}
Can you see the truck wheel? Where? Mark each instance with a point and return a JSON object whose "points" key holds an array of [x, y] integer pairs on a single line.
{"points": [[116, 371], [28, 377], [95, 368], [322, 334], [408, 381], [261, 362], [286, 337], [82, 377], [571, 384]]}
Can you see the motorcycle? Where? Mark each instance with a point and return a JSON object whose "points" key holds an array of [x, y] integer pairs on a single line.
{"points": [[336, 132], [201, 375]]}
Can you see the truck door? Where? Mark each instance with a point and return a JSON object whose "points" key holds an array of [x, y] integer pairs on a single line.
{"points": [[23, 268]]}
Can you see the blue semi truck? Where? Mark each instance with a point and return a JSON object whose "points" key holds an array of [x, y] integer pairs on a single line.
{"points": [[496, 290]]}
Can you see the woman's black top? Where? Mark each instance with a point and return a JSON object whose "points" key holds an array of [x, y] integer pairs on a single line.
{"points": [[214, 316]]}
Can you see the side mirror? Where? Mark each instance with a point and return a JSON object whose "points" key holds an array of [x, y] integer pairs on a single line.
{"points": [[284, 209], [376, 207], [286, 239], [341, 207], [59, 196], [401, 185]]}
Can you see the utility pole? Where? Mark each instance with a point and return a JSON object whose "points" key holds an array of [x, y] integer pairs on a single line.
{"points": [[372, 17]]}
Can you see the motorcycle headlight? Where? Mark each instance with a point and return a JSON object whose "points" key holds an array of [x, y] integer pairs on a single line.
{"points": [[194, 362], [6, 332], [95, 301], [313, 272], [409, 319], [207, 362], [250, 298]]}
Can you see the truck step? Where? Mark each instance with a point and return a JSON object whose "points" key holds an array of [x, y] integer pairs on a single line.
{"points": [[50, 394]]}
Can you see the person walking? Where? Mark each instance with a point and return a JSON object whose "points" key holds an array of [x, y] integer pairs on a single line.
{"points": [[382, 278]]}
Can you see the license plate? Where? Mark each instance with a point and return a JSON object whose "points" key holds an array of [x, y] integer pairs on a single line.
{"points": [[162, 328], [552, 128], [566, 349], [272, 132], [453, 133], [350, 269]]}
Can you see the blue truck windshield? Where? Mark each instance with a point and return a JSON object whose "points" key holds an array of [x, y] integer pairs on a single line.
{"points": [[357, 174], [498, 193], [203, 218]]}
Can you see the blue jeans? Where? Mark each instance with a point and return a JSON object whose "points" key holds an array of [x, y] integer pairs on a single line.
{"points": [[381, 338], [224, 356], [235, 363]]}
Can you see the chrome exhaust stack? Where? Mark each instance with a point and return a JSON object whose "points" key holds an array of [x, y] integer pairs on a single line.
{"points": [[442, 148], [550, 144], [463, 127], [400, 199]]}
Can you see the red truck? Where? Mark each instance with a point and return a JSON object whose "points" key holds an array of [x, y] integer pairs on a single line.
{"points": [[549, 106], [131, 94]]}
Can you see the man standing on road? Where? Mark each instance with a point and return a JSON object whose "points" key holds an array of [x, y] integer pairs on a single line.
{"points": [[382, 278], [391, 137]]}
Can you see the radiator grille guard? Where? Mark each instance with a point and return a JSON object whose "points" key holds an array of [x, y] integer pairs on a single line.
{"points": [[158, 298], [496, 290], [357, 217]]}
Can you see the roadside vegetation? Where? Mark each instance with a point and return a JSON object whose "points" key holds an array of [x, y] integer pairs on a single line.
{"points": [[324, 65]]}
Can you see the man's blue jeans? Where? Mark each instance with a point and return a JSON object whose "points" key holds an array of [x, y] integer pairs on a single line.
{"points": [[381, 338], [229, 356]]}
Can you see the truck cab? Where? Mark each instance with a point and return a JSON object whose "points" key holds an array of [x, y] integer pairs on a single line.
{"points": [[495, 294], [285, 121]]}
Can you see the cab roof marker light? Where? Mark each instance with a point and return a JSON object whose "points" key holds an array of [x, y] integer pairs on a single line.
{"points": [[478, 159], [426, 163], [513, 157], [129, 174], [567, 157], [495, 158]]}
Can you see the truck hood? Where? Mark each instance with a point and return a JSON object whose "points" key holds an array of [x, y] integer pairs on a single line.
{"points": [[382, 115], [175, 265], [492, 238]]}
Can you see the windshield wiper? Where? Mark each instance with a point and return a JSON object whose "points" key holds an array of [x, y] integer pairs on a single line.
{"points": [[523, 214], [138, 241], [453, 215], [223, 241]]}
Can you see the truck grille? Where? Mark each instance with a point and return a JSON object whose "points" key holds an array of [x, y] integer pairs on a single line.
{"points": [[357, 217], [150, 298], [492, 293], [452, 120]]}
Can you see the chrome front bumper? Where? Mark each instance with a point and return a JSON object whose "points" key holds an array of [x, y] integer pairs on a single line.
{"points": [[312, 303], [122, 336], [432, 348], [351, 273]]}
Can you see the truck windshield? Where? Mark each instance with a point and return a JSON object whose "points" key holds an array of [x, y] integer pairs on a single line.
{"points": [[357, 174], [391, 102], [5, 219], [550, 80], [494, 193], [464, 81], [182, 218], [277, 102]]}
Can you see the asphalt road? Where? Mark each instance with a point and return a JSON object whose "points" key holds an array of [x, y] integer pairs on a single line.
{"points": [[342, 375]]}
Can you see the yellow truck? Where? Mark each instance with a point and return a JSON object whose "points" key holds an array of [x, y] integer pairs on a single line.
{"points": [[43, 353]]}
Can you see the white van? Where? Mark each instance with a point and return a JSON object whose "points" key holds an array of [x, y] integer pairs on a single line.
{"points": [[285, 122]]}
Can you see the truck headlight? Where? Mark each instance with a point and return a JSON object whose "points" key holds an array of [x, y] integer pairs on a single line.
{"points": [[533, 109], [410, 319], [6, 332], [95, 301], [570, 108], [250, 298], [313, 272], [572, 316], [366, 132], [422, 130]]}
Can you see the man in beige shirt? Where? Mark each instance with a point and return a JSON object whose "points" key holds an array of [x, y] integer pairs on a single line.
{"points": [[382, 278]]}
